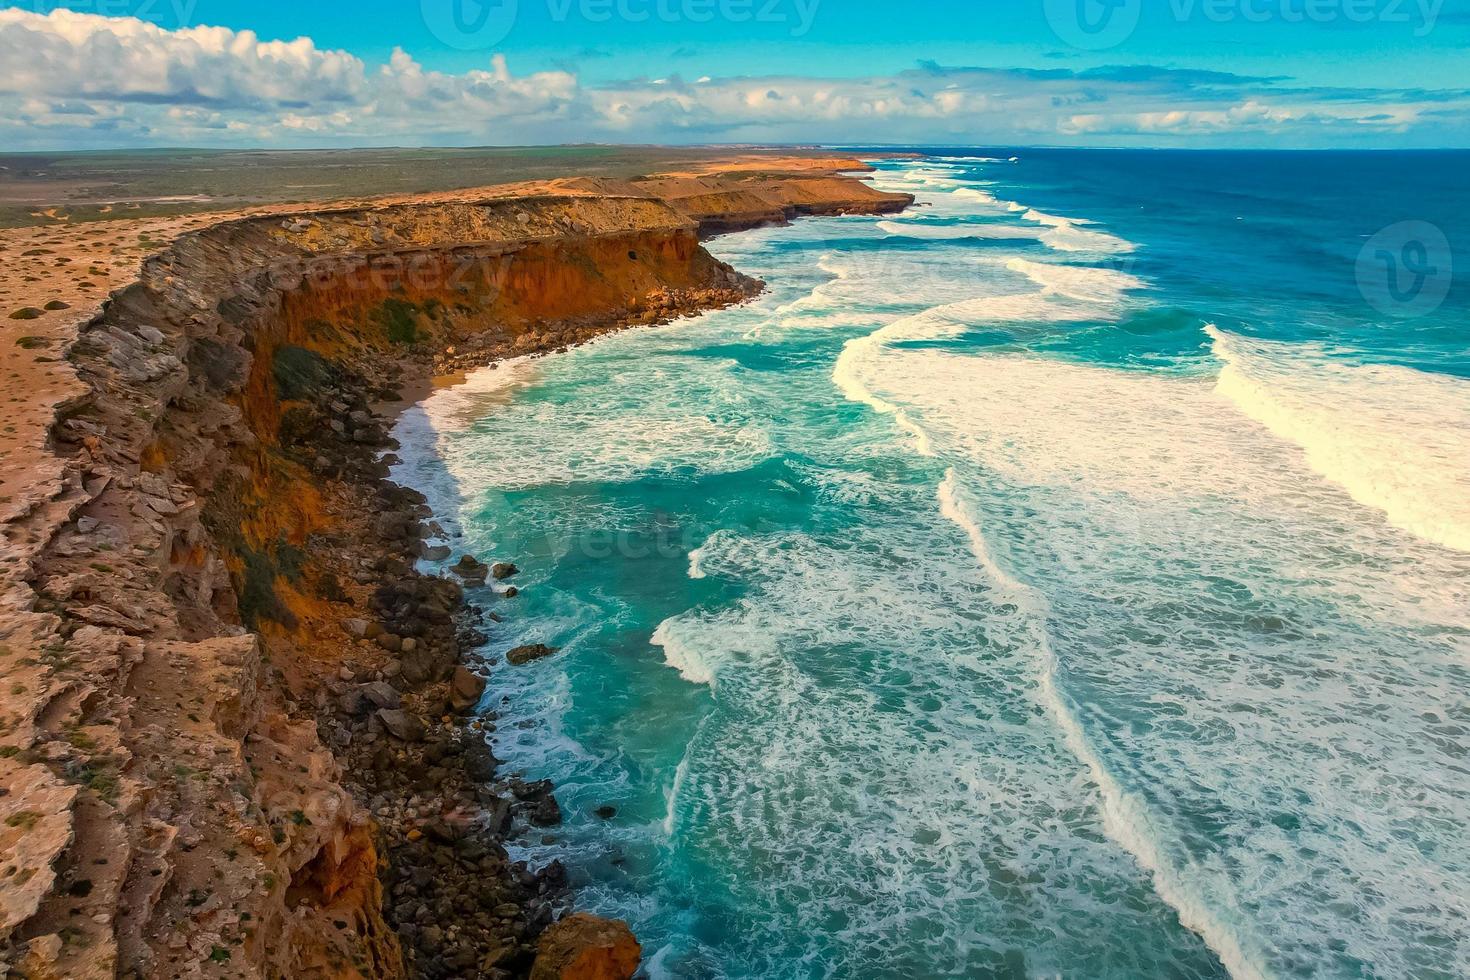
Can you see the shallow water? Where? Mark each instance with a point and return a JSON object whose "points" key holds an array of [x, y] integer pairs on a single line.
{"points": [[1049, 580]]}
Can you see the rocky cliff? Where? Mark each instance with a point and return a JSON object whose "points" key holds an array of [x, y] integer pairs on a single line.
{"points": [[238, 738]]}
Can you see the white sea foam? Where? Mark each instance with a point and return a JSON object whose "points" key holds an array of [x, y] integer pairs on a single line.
{"points": [[979, 196], [1083, 283], [1069, 293], [679, 429], [957, 789], [696, 563], [1396, 439], [475, 395], [1074, 235], [657, 966], [990, 232], [1125, 815], [681, 773], [687, 660], [1241, 610]]}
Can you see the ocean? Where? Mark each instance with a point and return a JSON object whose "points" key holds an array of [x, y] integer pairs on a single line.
{"points": [[1067, 577]]}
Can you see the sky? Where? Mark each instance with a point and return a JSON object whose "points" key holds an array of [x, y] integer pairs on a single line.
{"points": [[1157, 73]]}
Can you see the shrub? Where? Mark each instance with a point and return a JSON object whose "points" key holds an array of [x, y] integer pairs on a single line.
{"points": [[397, 318]]}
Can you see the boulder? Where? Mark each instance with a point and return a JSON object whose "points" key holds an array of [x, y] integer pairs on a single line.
{"points": [[531, 791], [355, 704], [502, 570], [531, 651], [545, 812], [587, 947], [401, 725], [471, 570], [465, 688], [381, 694]]}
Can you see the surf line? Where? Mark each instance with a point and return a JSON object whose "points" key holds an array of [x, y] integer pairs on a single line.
{"points": [[845, 375], [681, 774], [1125, 818]]}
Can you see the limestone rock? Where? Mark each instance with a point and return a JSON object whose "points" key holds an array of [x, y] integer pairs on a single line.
{"points": [[587, 947]]}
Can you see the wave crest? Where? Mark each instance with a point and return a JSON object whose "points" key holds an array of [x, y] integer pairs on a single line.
{"points": [[1396, 439]]}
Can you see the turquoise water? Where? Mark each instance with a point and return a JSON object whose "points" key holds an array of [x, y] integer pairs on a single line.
{"points": [[1067, 577]]}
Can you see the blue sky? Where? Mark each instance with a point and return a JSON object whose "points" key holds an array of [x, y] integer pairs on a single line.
{"points": [[1159, 72], [850, 37]]}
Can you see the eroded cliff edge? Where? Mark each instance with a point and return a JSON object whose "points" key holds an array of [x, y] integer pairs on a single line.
{"points": [[234, 709]]}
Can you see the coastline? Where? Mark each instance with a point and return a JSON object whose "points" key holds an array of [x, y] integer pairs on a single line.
{"points": [[210, 586]]}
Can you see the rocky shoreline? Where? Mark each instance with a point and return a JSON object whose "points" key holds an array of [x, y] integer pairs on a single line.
{"points": [[401, 717], [240, 737]]}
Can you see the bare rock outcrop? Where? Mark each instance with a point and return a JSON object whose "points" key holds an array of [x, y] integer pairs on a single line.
{"points": [[587, 947]]}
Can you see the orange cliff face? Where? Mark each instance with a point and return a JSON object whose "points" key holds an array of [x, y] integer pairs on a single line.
{"points": [[175, 607]]}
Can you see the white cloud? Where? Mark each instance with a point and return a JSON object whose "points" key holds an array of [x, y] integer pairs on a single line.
{"points": [[74, 79]]}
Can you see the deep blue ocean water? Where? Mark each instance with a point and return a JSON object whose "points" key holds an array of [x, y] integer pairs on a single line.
{"points": [[1067, 577]]}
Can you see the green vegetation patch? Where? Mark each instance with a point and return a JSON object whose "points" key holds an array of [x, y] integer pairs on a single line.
{"points": [[290, 560], [258, 598], [399, 320]]}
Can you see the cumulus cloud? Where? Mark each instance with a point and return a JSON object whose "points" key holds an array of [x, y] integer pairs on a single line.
{"points": [[204, 85], [75, 79]]}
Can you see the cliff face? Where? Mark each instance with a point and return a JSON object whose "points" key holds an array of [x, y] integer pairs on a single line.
{"points": [[722, 203], [174, 638]]}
